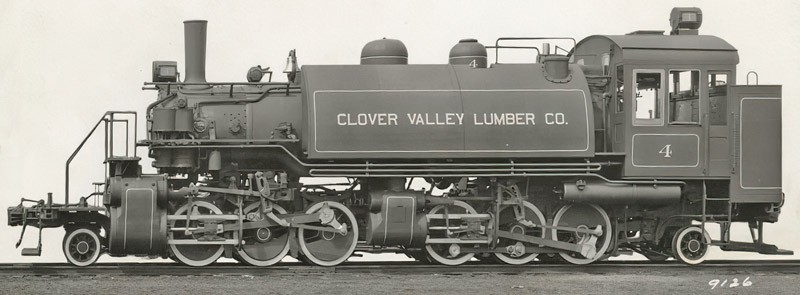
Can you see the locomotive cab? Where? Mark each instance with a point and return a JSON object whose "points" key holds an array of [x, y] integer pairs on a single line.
{"points": [[673, 108]]}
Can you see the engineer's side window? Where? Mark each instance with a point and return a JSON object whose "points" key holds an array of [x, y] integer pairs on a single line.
{"points": [[648, 107], [684, 97], [718, 98]]}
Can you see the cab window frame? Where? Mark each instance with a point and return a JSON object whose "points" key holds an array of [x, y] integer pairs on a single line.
{"points": [[700, 94], [619, 89], [660, 105], [725, 96]]}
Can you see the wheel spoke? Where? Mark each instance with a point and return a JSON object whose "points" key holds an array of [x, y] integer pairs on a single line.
{"points": [[257, 253], [682, 245], [580, 215], [326, 248], [194, 255], [74, 240], [509, 223], [441, 252]]}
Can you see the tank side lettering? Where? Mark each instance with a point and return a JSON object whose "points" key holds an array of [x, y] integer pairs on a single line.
{"points": [[435, 119], [374, 119], [504, 119], [447, 119]]}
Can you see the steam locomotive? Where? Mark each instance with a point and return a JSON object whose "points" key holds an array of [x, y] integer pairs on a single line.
{"points": [[624, 143]]}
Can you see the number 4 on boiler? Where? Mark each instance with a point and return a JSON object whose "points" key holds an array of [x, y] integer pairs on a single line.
{"points": [[667, 151]]}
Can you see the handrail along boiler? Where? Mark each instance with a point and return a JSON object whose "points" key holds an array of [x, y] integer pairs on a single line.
{"points": [[622, 144]]}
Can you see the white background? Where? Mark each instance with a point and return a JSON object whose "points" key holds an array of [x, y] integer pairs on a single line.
{"points": [[63, 64]]}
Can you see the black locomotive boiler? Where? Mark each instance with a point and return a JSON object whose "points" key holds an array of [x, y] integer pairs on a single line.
{"points": [[625, 143]]}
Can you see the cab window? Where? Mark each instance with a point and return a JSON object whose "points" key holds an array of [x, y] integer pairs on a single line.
{"points": [[684, 97], [718, 98], [648, 97]]}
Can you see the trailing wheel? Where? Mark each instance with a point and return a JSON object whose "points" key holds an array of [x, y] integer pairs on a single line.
{"points": [[583, 216], [263, 246], [329, 248], [194, 255], [82, 246], [448, 254], [690, 245], [507, 221]]}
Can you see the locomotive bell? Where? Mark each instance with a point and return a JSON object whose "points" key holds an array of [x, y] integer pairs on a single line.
{"points": [[384, 52], [291, 68], [468, 52]]}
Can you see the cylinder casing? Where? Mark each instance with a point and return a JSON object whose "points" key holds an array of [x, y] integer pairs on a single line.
{"points": [[137, 209], [395, 218]]}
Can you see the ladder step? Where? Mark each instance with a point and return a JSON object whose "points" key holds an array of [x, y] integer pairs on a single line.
{"points": [[718, 199], [32, 251]]}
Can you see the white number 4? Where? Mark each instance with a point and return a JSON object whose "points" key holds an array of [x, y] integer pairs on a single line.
{"points": [[667, 151]]}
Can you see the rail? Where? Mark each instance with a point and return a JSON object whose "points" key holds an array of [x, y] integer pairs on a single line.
{"points": [[497, 45], [230, 84], [108, 119]]}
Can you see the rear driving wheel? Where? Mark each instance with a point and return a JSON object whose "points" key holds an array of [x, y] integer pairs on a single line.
{"points": [[584, 216]]}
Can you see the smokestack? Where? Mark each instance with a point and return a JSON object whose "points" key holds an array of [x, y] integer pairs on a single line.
{"points": [[194, 32]]}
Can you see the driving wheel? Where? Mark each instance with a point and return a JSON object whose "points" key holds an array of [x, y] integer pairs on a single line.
{"points": [[193, 255], [583, 216]]}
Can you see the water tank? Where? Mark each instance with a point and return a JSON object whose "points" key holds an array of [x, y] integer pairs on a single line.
{"points": [[468, 52], [384, 52]]}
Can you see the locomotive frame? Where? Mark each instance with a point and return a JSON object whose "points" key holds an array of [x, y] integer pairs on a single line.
{"points": [[581, 207]]}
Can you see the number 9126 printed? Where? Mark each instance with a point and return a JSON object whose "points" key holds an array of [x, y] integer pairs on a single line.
{"points": [[732, 283]]}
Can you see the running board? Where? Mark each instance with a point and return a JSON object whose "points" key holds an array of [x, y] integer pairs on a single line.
{"points": [[761, 248]]}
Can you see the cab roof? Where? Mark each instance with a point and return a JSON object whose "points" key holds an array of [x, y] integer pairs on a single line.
{"points": [[664, 49]]}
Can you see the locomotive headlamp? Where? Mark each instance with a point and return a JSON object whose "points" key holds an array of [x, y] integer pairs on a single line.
{"points": [[165, 71], [685, 20]]}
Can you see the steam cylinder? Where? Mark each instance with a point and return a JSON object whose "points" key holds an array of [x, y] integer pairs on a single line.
{"points": [[195, 50]]}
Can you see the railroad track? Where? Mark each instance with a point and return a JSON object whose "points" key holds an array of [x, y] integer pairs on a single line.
{"points": [[234, 269]]}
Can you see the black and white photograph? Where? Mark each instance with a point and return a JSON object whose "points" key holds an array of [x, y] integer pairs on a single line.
{"points": [[409, 147]]}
